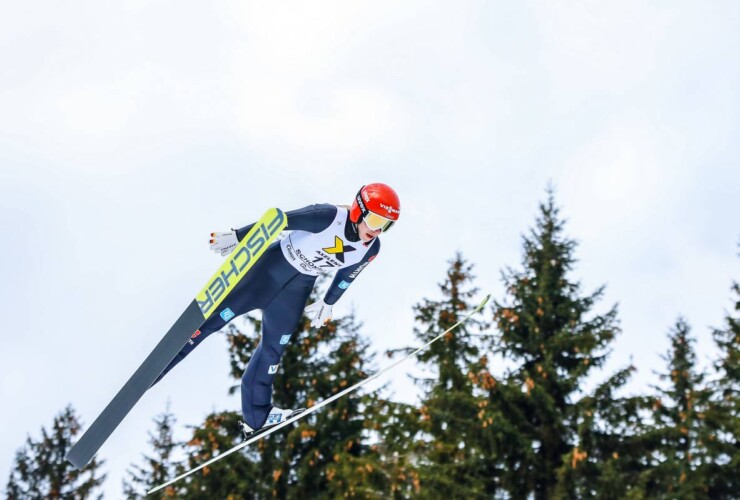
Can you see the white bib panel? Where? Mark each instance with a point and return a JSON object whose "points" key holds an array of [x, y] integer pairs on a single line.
{"points": [[324, 252]]}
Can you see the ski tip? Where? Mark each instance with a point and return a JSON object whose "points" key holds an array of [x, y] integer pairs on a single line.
{"points": [[484, 302], [76, 459]]}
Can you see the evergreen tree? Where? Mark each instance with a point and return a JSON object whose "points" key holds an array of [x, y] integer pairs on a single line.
{"points": [[679, 459], [723, 415], [552, 440], [159, 467], [41, 471], [449, 461]]}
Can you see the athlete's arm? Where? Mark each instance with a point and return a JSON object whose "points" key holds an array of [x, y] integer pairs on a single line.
{"points": [[347, 275], [313, 218]]}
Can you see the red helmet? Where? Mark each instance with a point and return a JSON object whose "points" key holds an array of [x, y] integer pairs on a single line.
{"points": [[377, 204]]}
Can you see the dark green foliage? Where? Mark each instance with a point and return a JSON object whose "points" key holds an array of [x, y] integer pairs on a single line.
{"points": [[551, 439], [335, 457], [396, 426], [232, 477], [159, 467], [449, 461], [723, 414], [676, 453], [41, 472]]}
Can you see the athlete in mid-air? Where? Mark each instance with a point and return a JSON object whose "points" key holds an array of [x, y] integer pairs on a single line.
{"points": [[323, 238]]}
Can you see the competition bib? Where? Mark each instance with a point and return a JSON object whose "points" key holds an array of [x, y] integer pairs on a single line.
{"points": [[324, 252]]}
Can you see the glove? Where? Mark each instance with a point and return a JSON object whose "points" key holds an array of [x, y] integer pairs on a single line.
{"points": [[224, 243], [323, 313]]}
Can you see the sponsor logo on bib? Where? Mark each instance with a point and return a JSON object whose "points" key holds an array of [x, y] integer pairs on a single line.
{"points": [[339, 249]]}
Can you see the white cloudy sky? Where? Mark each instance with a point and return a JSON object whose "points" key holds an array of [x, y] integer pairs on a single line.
{"points": [[130, 130]]}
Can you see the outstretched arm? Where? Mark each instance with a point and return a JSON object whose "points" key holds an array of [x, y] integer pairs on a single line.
{"points": [[313, 218]]}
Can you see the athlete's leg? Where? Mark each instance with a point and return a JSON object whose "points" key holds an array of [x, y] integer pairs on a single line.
{"points": [[211, 325], [254, 291], [279, 321]]}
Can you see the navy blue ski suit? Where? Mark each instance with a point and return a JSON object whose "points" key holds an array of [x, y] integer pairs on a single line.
{"points": [[281, 290]]}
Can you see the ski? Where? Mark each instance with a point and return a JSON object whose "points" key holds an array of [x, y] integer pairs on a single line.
{"points": [[321, 404], [238, 263]]}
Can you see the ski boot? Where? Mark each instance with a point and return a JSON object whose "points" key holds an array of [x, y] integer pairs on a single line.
{"points": [[275, 417]]}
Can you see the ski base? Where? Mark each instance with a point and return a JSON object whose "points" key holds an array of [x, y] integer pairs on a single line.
{"points": [[113, 414]]}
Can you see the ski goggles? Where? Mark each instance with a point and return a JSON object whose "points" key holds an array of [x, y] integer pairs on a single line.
{"points": [[375, 222]]}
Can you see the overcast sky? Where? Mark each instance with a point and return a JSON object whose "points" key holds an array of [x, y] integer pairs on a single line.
{"points": [[130, 130]]}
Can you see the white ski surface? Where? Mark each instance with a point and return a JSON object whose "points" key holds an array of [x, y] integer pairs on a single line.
{"points": [[323, 403]]}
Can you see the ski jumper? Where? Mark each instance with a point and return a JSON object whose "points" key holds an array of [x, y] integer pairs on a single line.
{"points": [[322, 240]]}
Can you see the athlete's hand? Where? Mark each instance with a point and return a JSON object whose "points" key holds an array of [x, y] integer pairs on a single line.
{"points": [[322, 312], [224, 243]]}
